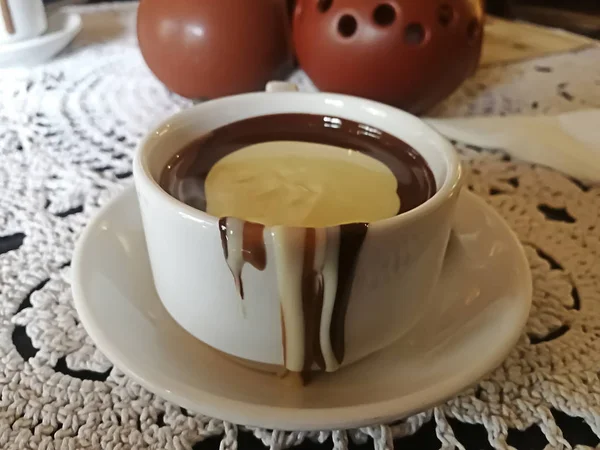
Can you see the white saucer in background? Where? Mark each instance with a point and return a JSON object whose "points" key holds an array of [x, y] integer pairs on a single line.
{"points": [[484, 296], [62, 29]]}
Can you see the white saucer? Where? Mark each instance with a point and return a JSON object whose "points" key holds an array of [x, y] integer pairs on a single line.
{"points": [[484, 293], [62, 29]]}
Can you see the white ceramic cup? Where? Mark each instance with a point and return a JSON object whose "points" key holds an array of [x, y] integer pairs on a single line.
{"points": [[21, 20], [397, 267]]}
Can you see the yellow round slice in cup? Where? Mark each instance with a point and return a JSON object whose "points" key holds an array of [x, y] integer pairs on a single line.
{"points": [[301, 184]]}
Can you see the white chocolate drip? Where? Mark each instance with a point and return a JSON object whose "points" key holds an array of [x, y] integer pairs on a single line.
{"points": [[289, 244], [289, 257], [235, 259], [330, 279]]}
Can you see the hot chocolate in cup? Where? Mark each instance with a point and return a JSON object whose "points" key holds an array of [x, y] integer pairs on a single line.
{"points": [[21, 20], [317, 287]]}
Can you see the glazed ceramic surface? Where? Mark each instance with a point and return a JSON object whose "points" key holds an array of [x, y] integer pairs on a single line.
{"points": [[21, 20], [62, 29], [484, 296], [410, 54], [399, 261], [208, 49]]}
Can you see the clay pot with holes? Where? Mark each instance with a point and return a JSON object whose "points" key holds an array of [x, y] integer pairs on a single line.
{"points": [[212, 48], [408, 53]]}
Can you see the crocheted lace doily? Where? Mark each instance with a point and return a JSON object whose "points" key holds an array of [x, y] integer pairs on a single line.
{"points": [[67, 133]]}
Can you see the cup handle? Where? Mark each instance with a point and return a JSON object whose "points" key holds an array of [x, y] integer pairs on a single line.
{"points": [[281, 86]]}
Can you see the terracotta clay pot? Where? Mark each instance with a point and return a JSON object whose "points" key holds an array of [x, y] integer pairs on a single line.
{"points": [[213, 48], [408, 53]]}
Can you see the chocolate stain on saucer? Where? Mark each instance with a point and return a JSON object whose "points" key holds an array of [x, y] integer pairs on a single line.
{"points": [[7, 17]]}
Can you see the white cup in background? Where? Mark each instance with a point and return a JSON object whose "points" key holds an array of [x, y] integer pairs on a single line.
{"points": [[21, 20]]}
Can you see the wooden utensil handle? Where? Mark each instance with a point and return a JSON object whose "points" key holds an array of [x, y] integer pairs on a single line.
{"points": [[7, 17]]}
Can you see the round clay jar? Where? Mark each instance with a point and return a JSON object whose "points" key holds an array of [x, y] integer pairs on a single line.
{"points": [[408, 53], [213, 48]]}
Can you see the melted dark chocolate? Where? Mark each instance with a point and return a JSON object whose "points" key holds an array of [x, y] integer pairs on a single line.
{"points": [[253, 245], [352, 237], [416, 182], [223, 233]]}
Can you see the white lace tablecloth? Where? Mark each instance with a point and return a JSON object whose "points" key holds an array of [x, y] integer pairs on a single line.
{"points": [[67, 133]]}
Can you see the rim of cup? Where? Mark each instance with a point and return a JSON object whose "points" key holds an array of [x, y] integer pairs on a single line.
{"points": [[151, 143]]}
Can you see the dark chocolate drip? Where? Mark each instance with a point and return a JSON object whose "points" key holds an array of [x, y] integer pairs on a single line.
{"points": [[352, 237], [253, 245], [7, 17], [283, 337], [223, 233], [312, 305], [319, 359], [253, 249]]}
